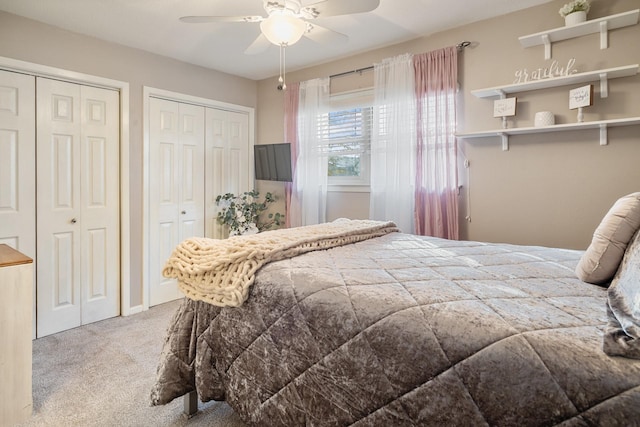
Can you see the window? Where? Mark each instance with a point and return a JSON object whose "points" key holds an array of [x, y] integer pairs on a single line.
{"points": [[438, 128], [345, 135]]}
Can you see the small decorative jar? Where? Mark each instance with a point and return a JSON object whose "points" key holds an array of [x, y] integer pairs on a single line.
{"points": [[544, 118]]}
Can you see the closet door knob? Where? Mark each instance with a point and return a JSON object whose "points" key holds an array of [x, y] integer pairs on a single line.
{"points": [[183, 212], [73, 220]]}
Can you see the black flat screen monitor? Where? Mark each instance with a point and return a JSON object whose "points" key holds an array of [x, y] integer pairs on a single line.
{"points": [[273, 162]]}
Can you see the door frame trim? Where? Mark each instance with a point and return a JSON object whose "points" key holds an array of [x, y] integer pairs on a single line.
{"points": [[39, 70], [151, 92]]}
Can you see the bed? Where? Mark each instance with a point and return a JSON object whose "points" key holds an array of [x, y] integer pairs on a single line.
{"points": [[405, 330]]}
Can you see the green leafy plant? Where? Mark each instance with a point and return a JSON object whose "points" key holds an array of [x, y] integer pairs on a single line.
{"points": [[575, 6], [242, 213]]}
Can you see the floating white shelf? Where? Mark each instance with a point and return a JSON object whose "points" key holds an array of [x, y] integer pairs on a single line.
{"points": [[601, 25], [600, 124], [588, 76]]}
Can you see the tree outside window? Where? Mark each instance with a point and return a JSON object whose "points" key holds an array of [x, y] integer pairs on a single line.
{"points": [[346, 136]]}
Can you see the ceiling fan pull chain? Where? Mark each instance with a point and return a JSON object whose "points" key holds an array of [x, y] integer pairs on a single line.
{"points": [[284, 67], [280, 79]]}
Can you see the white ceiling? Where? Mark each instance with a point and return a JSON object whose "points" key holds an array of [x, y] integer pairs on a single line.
{"points": [[152, 25]]}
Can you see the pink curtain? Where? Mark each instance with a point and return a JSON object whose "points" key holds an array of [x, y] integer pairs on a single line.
{"points": [[291, 102], [436, 194]]}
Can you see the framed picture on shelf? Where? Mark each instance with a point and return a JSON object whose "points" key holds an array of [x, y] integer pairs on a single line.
{"points": [[504, 107], [581, 97]]}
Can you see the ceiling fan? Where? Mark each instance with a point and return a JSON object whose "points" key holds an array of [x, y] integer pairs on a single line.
{"points": [[286, 21]]}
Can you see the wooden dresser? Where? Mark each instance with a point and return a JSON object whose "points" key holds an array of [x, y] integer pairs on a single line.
{"points": [[16, 299]]}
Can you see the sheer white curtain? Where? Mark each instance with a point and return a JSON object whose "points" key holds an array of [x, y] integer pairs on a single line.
{"points": [[393, 142], [309, 188]]}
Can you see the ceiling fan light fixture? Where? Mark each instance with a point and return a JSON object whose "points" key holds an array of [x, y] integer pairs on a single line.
{"points": [[283, 29]]}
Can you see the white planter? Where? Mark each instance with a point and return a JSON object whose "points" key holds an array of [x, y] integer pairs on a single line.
{"points": [[544, 118], [575, 18]]}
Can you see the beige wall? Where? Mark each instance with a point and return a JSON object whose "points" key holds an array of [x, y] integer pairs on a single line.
{"points": [[549, 189], [34, 42]]}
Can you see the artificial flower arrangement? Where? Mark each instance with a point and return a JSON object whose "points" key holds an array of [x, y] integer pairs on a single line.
{"points": [[242, 213], [575, 6]]}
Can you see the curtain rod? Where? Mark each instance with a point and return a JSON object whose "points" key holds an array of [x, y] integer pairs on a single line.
{"points": [[359, 70], [459, 46]]}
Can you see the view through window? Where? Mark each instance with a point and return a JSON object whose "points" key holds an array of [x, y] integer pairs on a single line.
{"points": [[346, 138]]}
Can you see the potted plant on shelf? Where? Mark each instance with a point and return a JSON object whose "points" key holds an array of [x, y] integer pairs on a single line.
{"points": [[575, 12], [242, 213]]}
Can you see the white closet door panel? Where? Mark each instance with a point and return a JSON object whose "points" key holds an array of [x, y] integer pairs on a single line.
{"points": [[96, 254], [163, 195], [237, 171], [240, 150], [58, 207], [215, 182], [64, 278], [192, 184], [167, 181], [192, 176], [188, 184], [176, 193], [189, 228], [17, 162], [63, 165], [228, 161], [215, 186], [99, 185], [163, 289], [216, 128]]}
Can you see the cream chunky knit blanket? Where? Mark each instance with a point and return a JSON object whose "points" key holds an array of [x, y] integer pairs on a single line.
{"points": [[220, 272]]}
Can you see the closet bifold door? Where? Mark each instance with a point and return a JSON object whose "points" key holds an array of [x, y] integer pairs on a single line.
{"points": [[100, 203], [18, 164], [227, 157], [78, 232], [176, 187]]}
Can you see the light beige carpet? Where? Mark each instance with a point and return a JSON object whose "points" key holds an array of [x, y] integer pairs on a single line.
{"points": [[101, 375]]}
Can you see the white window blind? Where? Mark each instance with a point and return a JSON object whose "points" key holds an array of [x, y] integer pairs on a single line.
{"points": [[345, 135]]}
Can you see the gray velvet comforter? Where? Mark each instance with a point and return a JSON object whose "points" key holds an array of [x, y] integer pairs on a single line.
{"points": [[403, 330]]}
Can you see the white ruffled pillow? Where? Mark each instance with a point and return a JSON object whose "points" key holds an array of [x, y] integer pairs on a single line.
{"points": [[603, 256]]}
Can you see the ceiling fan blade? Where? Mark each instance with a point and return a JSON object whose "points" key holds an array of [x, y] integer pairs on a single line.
{"points": [[324, 8], [259, 45], [209, 19], [324, 35]]}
